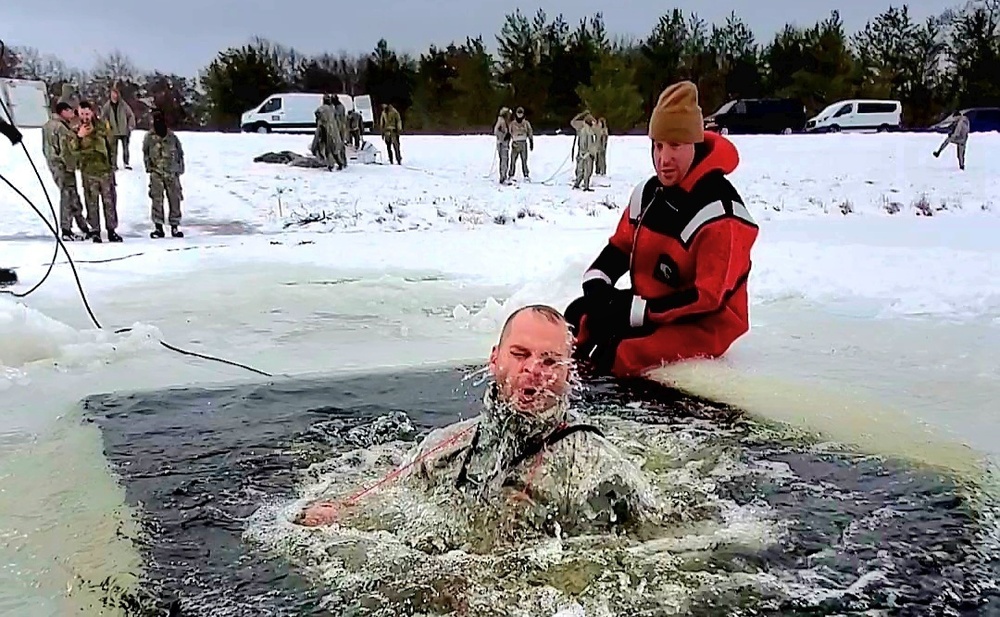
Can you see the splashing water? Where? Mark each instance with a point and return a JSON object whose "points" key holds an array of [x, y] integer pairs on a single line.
{"points": [[404, 551]]}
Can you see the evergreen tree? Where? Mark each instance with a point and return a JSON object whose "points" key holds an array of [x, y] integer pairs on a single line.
{"points": [[612, 93]]}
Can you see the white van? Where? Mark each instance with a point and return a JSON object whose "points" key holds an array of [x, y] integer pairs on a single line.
{"points": [[858, 115], [295, 112], [27, 100]]}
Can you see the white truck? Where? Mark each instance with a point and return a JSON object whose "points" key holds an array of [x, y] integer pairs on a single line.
{"points": [[27, 101], [858, 115], [294, 112]]}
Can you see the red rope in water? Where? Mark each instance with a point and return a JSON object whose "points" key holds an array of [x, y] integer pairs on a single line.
{"points": [[399, 471]]}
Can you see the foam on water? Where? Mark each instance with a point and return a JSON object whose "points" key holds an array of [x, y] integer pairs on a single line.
{"points": [[403, 549]]}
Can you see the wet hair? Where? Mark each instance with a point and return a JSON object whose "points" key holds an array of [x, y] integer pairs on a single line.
{"points": [[85, 105], [544, 310], [62, 106]]}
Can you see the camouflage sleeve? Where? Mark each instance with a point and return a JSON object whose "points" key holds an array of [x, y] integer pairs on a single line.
{"points": [[399, 122], [577, 121], [531, 135], [147, 143], [180, 156], [129, 117]]}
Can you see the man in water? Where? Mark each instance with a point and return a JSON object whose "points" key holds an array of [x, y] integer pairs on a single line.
{"points": [[527, 443]]}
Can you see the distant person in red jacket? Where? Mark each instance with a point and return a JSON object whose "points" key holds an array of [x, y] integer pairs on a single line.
{"points": [[685, 239]]}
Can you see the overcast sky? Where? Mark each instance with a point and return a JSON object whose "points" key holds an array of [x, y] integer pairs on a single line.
{"points": [[182, 36]]}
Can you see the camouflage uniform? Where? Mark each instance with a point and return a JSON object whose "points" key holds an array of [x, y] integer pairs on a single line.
{"points": [[56, 147], [327, 140], [354, 126], [164, 160], [582, 476], [93, 154], [340, 115], [586, 143], [523, 140], [501, 130], [601, 162], [960, 137], [121, 118], [392, 125], [69, 96]]}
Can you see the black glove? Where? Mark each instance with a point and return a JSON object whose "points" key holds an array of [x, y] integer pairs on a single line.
{"points": [[614, 315], [597, 293]]}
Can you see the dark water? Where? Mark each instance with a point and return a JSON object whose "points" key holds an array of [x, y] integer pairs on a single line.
{"points": [[198, 463]]}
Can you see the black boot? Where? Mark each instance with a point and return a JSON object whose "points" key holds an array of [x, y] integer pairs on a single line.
{"points": [[7, 277], [113, 236], [95, 236], [176, 233], [69, 236], [157, 231]]}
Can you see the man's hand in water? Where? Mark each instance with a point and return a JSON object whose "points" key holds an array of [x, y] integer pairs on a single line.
{"points": [[319, 513]]}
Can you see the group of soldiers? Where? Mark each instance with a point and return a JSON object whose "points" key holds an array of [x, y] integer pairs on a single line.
{"points": [[79, 139], [515, 137], [335, 128]]}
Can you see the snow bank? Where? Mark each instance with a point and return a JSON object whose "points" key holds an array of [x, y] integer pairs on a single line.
{"points": [[32, 338]]}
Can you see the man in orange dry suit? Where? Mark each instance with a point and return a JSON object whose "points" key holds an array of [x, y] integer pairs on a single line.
{"points": [[685, 239]]}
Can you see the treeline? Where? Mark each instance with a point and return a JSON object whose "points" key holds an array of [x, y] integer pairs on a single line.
{"points": [[554, 69]]}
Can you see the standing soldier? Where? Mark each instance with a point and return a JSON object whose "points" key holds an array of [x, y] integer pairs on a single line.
{"points": [[340, 117], [601, 165], [522, 141], [92, 149], [354, 124], [164, 159], [56, 136], [959, 136], [70, 97], [392, 126], [586, 143], [121, 118], [501, 130], [327, 134]]}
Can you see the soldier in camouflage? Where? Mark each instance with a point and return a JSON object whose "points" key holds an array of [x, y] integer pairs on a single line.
{"points": [[587, 149], [501, 130], [56, 135], [601, 162], [164, 158], [121, 118], [391, 125], [340, 116], [527, 445], [325, 141], [522, 140], [69, 96], [354, 126], [92, 149]]}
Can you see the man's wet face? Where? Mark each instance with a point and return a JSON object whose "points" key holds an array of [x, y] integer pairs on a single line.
{"points": [[531, 364], [86, 114]]}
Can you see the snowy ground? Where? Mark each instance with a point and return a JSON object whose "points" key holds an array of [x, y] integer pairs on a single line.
{"points": [[876, 293]]}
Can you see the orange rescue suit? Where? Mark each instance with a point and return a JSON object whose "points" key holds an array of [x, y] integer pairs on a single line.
{"points": [[687, 249]]}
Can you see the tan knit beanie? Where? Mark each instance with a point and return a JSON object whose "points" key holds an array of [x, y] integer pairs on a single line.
{"points": [[677, 116]]}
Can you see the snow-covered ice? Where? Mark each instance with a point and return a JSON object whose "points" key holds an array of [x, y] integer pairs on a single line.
{"points": [[876, 278]]}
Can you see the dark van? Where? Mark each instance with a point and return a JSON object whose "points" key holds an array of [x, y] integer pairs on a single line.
{"points": [[758, 116], [981, 120]]}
